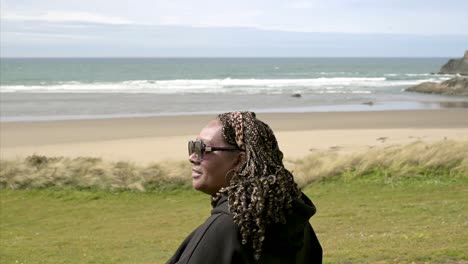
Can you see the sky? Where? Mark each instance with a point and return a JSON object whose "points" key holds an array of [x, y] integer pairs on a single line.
{"points": [[273, 28]]}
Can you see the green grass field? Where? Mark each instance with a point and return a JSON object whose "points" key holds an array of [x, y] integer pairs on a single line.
{"points": [[373, 215], [357, 222]]}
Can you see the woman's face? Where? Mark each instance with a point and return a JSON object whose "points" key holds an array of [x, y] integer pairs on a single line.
{"points": [[208, 174]]}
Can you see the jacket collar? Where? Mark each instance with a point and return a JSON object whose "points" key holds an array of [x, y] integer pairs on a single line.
{"points": [[220, 205]]}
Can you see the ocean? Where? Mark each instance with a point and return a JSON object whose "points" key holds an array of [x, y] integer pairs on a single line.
{"points": [[83, 88]]}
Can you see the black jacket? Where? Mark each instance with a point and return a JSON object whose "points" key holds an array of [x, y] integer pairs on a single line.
{"points": [[218, 239]]}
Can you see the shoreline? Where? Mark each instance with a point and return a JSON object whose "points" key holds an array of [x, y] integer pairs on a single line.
{"points": [[154, 139], [364, 106]]}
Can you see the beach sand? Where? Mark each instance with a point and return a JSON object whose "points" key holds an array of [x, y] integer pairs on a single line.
{"points": [[154, 139]]}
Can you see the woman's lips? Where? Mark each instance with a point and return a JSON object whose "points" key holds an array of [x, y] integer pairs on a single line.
{"points": [[196, 174]]}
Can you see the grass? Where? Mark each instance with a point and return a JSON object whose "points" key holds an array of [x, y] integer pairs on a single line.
{"points": [[35, 172], [410, 222], [71, 226], [357, 222], [372, 215], [392, 163]]}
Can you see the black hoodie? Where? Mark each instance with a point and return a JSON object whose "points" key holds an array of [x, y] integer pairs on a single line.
{"points": [[218, 239]]}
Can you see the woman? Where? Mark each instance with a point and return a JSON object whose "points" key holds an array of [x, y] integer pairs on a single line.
{"points": [[259, 214]]}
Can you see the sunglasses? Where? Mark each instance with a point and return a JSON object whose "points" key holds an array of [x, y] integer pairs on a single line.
{"points": [[199, 148]]}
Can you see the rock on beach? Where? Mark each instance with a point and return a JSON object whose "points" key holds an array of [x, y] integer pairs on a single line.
{"points": [[454, 86]]}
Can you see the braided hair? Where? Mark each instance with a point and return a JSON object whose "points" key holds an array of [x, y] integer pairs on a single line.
{"points": [[262, 190]]}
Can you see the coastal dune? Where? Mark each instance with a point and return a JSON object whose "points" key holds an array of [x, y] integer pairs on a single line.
{"points": [[154, 139]]}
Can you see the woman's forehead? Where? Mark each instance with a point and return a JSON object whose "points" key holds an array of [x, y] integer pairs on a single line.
{"points": [[211, 133]]}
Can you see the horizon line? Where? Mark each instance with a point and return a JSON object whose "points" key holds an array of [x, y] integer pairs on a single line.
{"points": [[222, 57]]}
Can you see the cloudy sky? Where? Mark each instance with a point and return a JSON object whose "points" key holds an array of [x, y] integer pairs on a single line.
{"points": [[154, 28]]}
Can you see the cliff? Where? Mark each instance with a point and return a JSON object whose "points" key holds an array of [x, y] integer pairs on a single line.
{"points": [[456, 66]]}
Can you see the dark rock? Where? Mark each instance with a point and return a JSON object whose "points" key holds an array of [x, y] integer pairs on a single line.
{"points": [[454, 86], [456, 104], [297, 95], [456, 66]]}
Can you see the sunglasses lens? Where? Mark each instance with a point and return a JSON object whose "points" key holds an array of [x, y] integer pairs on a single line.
{"points": [[195, 147], [190, 147]]}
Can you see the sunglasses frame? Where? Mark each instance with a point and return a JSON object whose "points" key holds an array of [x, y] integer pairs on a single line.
{"points": [[204, 148]]}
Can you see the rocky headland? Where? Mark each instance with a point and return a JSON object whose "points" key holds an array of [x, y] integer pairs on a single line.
{"points": [[454, 86], [456, 66]]}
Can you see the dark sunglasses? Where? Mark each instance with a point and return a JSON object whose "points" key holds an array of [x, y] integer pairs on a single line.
{"points": [[199, 148]]}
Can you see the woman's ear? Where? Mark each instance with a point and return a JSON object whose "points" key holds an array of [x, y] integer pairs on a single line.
{"points": [[241, 159]]}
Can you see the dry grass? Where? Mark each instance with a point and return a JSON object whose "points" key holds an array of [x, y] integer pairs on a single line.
{"points": [[90, 173], [418, 159], [446, 158]]}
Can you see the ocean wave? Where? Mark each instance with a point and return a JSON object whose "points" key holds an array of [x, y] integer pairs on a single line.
{"points": [[228, 85], [417, 75]]}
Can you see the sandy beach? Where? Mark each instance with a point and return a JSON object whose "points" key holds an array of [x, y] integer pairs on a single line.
{"points": [[154, 139]]}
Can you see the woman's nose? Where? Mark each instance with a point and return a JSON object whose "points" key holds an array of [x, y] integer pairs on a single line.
{"points": [[193, 158]]}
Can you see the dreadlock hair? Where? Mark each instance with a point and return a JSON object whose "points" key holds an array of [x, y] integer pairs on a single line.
{"points": [[262, 190]]}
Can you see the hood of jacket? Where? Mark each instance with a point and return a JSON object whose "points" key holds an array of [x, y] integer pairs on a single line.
{"points": [[279, 237]]}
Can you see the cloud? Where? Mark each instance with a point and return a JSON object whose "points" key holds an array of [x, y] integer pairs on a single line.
{"points": [[351, 16], [300, 4], [171, 20], [24, 37], [244, 28], [99, 40], [64, 17]]}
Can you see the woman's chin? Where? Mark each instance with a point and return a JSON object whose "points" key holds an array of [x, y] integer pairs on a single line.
{"points": [[196, 182]]}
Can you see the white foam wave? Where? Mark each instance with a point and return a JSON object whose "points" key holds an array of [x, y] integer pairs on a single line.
{"points": [[418, 74], [228, 85]]}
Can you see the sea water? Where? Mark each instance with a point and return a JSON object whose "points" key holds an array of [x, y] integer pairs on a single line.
{"points": [[80, 88]]}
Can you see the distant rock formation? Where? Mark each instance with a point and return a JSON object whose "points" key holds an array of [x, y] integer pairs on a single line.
{"points": [[454, 86], [456, 66], [368, 103]]}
